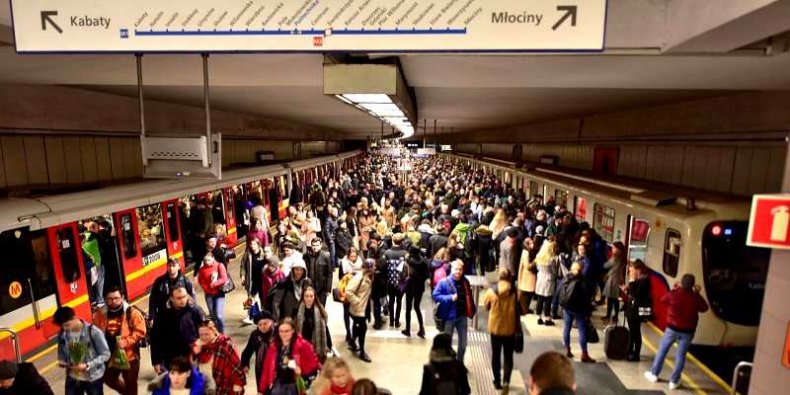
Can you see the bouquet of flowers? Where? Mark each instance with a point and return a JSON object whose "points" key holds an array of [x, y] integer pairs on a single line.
{"points": [[77, 352]]}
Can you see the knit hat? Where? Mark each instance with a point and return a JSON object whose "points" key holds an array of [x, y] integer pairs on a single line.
{"points": [[8, 369], [299, 264], [263, 315]]}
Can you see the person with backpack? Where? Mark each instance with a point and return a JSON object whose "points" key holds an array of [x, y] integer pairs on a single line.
{"points": [[503, 324], [575, 297], [444, 374], [455, 304], [124, 327], [350, 264], [415, 287], [83, 351], [397, 273]]}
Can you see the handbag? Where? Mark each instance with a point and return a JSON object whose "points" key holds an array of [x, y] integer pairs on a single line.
{"points": [[229, 286]]}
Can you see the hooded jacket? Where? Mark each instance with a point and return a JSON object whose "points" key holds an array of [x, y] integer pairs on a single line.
{"points": [[444, 364], [173, 333]]}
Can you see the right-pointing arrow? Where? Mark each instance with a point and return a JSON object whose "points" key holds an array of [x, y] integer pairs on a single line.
{"points": [[570, 12], [46, 16]]}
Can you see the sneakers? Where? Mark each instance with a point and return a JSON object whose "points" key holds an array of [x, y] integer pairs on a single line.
{"points": [[246, 321], [651, 377], [673, 386]]}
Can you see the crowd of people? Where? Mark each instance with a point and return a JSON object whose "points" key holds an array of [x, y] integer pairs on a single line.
{"points": [[387, 235]]}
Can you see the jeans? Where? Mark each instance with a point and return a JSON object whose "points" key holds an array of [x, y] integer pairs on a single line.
{"points": [[555, 302], [498, 343], [123, 381], [413, 301], [216, 309], [684, 341], [98, 288], [581, 323], [377, 308], [461, 325], [394, 296], [77, 387], [332, 253]]}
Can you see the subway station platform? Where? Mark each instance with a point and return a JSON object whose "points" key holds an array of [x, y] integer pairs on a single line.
{"points": [[398, 360]]}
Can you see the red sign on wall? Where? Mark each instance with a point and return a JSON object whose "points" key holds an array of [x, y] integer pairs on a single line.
{"points": [[769, 222]]}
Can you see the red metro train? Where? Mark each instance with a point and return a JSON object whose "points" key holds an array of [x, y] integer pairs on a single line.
{"points": [[42, 261]]}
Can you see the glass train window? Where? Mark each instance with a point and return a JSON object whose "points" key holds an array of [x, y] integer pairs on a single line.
{"points": [[172, 222], [127, 235], [26, 258], [672, 245], [603, 221], [580, 208], [561, 197], [67, 250], [150, 228], [734, 273], [637, 243]]}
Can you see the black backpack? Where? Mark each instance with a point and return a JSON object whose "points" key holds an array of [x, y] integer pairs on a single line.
{"points": [[567, 291], [443, 383]]}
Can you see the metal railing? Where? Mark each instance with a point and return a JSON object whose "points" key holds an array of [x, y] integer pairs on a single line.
{"points": [[15, 340], [737, 375]]}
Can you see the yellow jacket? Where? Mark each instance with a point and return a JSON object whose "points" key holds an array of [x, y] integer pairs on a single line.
{"points": [[502, 308]]}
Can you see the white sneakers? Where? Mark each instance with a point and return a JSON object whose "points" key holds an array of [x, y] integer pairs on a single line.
{"points": [[654, 379], [247, 321]]}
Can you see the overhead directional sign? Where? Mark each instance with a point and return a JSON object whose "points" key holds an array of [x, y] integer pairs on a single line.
{"points": [[93, 26]]}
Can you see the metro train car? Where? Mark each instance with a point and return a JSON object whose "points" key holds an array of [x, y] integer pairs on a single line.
{"points": [[673, 231], [43, 266]]}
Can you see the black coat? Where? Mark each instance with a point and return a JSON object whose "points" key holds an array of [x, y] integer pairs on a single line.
{"points": [[27, 382], [160, 292], [257, 344], [319, 270], [174, 332], [418, 273], [638, 296], [285, 302]]}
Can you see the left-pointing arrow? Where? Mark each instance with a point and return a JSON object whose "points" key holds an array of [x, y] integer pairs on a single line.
{"points": [[46, 16]]}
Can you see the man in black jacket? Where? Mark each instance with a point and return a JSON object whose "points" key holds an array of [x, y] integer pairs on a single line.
{"points": [[160, 291], [22, 379], [175, 329], [319, 269], [330, 228]]}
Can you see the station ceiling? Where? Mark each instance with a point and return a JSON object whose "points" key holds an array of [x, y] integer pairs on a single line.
{"points": [[654, 54]]}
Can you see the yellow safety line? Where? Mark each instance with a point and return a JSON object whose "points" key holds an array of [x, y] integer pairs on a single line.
{"points": [[697, 363], [683, 376]]}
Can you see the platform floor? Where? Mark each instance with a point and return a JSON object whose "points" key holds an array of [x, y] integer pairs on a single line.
{"points": [[397, 360]]}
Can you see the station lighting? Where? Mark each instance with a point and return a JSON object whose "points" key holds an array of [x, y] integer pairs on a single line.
{"points": [[376, 89]]}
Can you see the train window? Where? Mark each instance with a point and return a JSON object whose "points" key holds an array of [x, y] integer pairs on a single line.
{"points": [[637, 242], [26, 258], [68, 254], [580, 208], [217, 207], [172, 222], [734, 274], [127, 236], [561, 197], [603, 221], [672, 245], [151, 229]]}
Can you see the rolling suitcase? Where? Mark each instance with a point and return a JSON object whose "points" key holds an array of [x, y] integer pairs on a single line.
{"points": [[616, 341]]}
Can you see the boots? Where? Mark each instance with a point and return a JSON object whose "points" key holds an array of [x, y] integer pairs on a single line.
{"points": [[586, 358], [568, 352]]}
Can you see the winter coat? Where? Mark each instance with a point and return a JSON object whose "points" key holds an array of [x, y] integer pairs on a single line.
{"points": [[262, 235], [501, 302], [319, 338], [418, 273], [436, 243], [581, 300], [27, 382], [212, 277], [173, 332], [319, 270], [443, 295], [615, 277], [226, 368], [380, 278], [160, 292], [285, 301], [131, 335], [485, 246], [547, 277], [194, 383], [526, 278], [508, 254], [638, 296], [257, 344], [683, 309], [358, 293], [251, 268], [446, 365], [302, 353], [343, 241]]}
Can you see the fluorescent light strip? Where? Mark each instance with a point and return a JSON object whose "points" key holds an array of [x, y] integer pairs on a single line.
{"points": [[368, 98]]}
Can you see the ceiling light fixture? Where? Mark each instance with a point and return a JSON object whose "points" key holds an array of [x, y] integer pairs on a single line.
{"points": [[377, 89]]}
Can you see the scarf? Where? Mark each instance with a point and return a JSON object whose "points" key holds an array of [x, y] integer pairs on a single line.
{"points": [[336, 390], [319, 329]]}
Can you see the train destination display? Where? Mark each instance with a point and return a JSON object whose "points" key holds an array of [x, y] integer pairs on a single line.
{"points": [[89, 26]]}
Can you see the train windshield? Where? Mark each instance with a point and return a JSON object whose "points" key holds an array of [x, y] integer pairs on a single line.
{"points": [[734, 273]]}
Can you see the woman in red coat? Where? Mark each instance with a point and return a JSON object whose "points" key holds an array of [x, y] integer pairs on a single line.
{"points": [[211, 277], [293, 356]]}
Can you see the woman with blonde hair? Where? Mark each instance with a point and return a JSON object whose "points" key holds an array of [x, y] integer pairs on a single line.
{"points": [[548, 264], [498, 224], [527, 275], [335, 379]]}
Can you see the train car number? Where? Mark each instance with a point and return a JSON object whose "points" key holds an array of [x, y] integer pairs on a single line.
{"points": [[155, 257]]}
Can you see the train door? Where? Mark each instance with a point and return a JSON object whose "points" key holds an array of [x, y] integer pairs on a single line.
{"points": [[282, 202], [172, 230], [29, 289], [129, 250], [230, 218], [637, 233]]}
